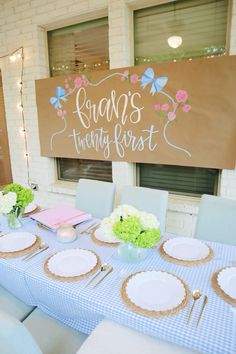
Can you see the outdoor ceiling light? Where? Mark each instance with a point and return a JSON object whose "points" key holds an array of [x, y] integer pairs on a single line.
{"points": [[175, 41]]}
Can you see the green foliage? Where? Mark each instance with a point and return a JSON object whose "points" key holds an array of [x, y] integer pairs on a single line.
{"points": [[130, 230], [24, 195]]}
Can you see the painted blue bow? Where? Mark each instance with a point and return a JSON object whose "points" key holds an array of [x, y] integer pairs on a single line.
{"points": [[60, 95], [157, 82]]}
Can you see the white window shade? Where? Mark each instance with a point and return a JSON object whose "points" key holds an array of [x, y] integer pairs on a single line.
{"points": [[201, 24], [80, 48]]}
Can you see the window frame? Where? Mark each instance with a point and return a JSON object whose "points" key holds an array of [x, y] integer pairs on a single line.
{"points": [[227, 51]]}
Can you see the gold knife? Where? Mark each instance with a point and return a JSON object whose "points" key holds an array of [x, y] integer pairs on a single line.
{"points": [[109, 271], [36, 253], [202, 309]]}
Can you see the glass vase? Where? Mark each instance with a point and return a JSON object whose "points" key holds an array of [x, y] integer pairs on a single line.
{"points": [[14, 220], [130, 253]]}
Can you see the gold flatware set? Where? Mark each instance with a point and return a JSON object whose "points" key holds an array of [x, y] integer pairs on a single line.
{"points": [[104, 268], [196, 296]]}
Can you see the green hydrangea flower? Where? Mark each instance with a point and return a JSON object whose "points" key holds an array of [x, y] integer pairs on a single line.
{"points": [[24, 195], [128, 229], [148, 238]]}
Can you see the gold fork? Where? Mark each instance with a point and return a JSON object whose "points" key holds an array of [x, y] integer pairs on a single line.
{"points": [[202, 309]]}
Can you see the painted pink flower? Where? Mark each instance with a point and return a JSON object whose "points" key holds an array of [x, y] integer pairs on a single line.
{"points": [[78, 81], [125, 75], [69, 78], [85, 82], [181, 96], [165, 107], [70, 91], [134, 79], [186, 108], [175, 105], [66, 80], [157, 107], [171, 115], [61, 113], [67, 86]]}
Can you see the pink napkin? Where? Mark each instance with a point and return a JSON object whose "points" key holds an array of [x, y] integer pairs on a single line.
{"points": [[63, 214]]}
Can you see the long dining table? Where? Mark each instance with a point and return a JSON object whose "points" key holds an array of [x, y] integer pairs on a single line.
{"points": [[84, 307]]}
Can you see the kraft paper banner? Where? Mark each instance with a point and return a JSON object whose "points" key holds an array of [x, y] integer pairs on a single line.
{"points": [[178, 113]]}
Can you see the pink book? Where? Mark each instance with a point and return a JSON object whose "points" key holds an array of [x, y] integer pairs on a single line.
{"points": [[53, 218]]}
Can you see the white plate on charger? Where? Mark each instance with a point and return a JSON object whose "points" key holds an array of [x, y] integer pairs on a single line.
{"points": [[16, 241], [101, 236], [227, 281], [72, 262], [155, 291], [30, 208], [186, 249]]}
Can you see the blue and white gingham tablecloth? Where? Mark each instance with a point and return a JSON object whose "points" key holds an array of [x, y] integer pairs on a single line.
{"points": [[83, 308]]}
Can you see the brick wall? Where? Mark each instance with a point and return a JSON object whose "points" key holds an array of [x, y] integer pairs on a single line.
{"points": [[24, 23]]}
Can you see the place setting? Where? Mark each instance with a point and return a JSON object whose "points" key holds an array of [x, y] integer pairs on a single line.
{"points": [[72, 265], [31, 209], [16, 244], [155, 293], [186, 251], [224, 284]]}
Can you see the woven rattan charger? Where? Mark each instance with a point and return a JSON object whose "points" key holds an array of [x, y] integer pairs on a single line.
{"points": [[220, 292], [155, 314], [182, 262], [103, 243], [36, 210], [74, 278], [22, 252]]}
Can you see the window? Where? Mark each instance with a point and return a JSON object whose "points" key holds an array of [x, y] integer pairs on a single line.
{"points": [[75, 49], [202, 25]]}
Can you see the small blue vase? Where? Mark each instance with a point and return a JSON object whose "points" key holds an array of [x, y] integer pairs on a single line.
{"points": [[130, 253]]}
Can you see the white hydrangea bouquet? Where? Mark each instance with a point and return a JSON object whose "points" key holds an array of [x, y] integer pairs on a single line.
{"points": [[130, 225], [13, 200], [7, 202]]}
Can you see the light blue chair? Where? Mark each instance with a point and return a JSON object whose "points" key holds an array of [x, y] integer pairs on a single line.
{"points": [[15, 338], [38, 334], [95, 197], [52, 336], [216, 220], [150, 200], [111, 338], [13, 306]]}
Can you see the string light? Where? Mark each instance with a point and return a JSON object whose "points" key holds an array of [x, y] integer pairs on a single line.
{"points": [[18, 54]]}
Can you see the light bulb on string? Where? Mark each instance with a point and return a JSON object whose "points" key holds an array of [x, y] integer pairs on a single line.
{"points": [[175, 41], [12, 58]]}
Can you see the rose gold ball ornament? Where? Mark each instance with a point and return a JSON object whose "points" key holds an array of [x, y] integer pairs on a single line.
{"points": [[66, 233]]}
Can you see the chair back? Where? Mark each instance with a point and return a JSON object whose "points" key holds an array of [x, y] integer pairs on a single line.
{"points": [[95, 197], [150, 200], [15, 338], [216, 220]]}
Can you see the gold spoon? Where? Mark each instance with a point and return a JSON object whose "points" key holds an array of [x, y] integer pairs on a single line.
{"points": [[102, 269], [196, 295]]}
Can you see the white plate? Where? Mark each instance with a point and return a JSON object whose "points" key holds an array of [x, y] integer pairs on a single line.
{"points": [[30, 208], [155, 291], [186, 249], [101, 236], [227, 281], [72, 262], [16, 241]]}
